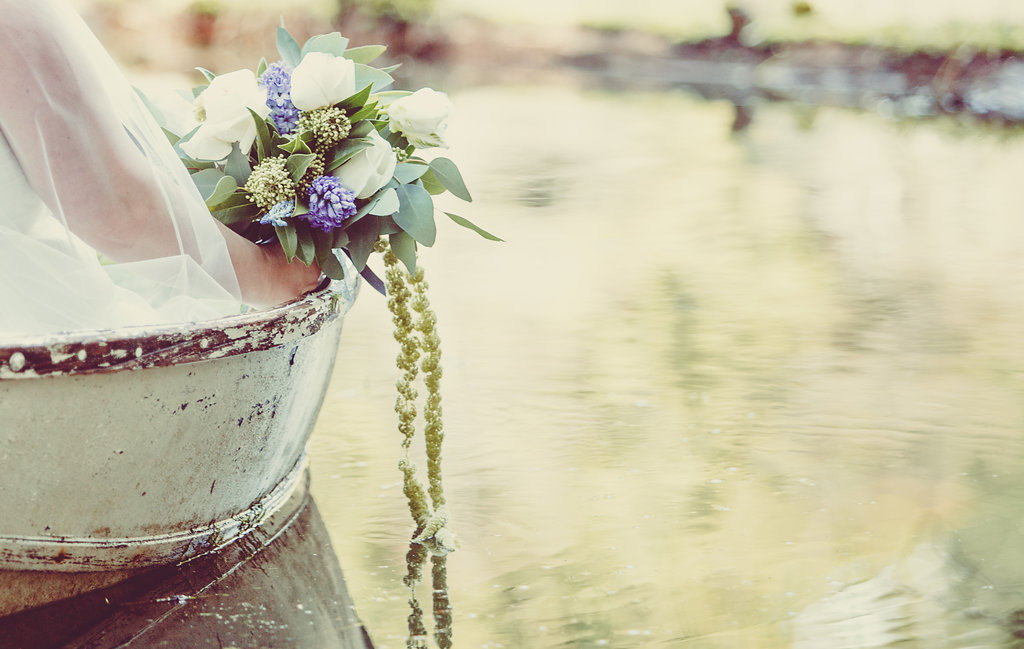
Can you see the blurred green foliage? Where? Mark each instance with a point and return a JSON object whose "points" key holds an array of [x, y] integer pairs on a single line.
{"points": [[400, 10]]}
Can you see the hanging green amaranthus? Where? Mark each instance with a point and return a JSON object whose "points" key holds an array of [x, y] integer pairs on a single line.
{"points": [[420, 351]]}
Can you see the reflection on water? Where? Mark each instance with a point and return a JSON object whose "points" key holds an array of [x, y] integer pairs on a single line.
{"points": [[752, 390]]}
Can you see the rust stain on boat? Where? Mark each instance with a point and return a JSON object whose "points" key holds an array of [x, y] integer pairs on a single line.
{"points": [[144, 347]]}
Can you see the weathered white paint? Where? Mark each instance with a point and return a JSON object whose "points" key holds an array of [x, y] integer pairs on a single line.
{"points": [[115, 460]]}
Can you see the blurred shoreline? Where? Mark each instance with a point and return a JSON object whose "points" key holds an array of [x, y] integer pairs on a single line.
{"points": [[968, 82]]}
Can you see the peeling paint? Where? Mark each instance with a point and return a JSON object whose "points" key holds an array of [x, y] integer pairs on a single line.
{"points": [[91, 352]]}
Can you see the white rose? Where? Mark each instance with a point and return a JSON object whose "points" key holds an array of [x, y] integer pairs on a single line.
{"points": [[222, 111], [421, 117], [321, 80], [370, 169]]}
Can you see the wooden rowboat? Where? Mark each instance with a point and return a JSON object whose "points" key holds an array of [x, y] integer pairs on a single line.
{"points": [[124, 450]]}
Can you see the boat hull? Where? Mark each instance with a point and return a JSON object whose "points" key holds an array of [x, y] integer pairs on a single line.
{"points": [[126, 450]]}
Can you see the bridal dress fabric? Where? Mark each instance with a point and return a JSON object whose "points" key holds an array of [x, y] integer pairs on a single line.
{"points": [[100, 225]]}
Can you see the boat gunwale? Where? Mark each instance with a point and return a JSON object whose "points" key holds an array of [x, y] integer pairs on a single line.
{"points": [[101, 351]]}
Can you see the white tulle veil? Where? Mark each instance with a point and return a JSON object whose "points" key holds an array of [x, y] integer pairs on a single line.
{"points": [[100, 225]]}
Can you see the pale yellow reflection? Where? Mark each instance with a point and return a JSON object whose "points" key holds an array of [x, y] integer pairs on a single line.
{"points": [[709, 383]]}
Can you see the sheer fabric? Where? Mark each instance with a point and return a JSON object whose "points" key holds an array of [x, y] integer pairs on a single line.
{"points": [[84, 169]]}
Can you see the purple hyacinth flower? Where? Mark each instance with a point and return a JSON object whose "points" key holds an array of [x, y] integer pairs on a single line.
{"points": [[277, 79], [330, 203]]}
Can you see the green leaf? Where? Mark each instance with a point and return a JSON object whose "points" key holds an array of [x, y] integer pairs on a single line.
{"points": [[333, 43], [387, 225], [431, 183], [229, 215], [305, 250], [416, 213], [404, 248], [406, 172], [372, 279], [214, 185], [297, 165], [261, 68], [173, 138], [289, 240], [206, 73], [346, 151], [467, 224], [368, 76], [330, 265], [361, 238], [369, 111], [386, 203], [288, 48], [340, 239], [296, 146], [448, 174], [357, 100], [154, 110], [263, 139], [361, 128], [364, 53], [238, 198], [389, 96], [237, 165]]}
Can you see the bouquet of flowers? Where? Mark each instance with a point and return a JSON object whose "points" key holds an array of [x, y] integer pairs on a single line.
{"points": [[313, 151]]}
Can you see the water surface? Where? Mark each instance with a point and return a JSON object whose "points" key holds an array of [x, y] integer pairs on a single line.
{"points": [[715, 390]]}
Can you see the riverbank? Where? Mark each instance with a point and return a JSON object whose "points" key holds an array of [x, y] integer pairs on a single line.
{"points": [[966, 81]]}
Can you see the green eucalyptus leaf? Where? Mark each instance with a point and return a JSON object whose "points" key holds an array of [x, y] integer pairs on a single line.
{"points": [[288, 48], [235, 214], [262, 67], [448, 174], [406, 172], [404, 248], [297, 165], [391, 68], [365, 53], [330, 265], [305, 250], [475, 228], [324, 241], [214, 185], [431, 183], [333, 43], [386, 203], [416, 213], [373, 77], [361, 238], [198, 90], [288, 238], [173, 138], [387, 225], [237, 165], [206, 73], [340, 238], [239, 198]]}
